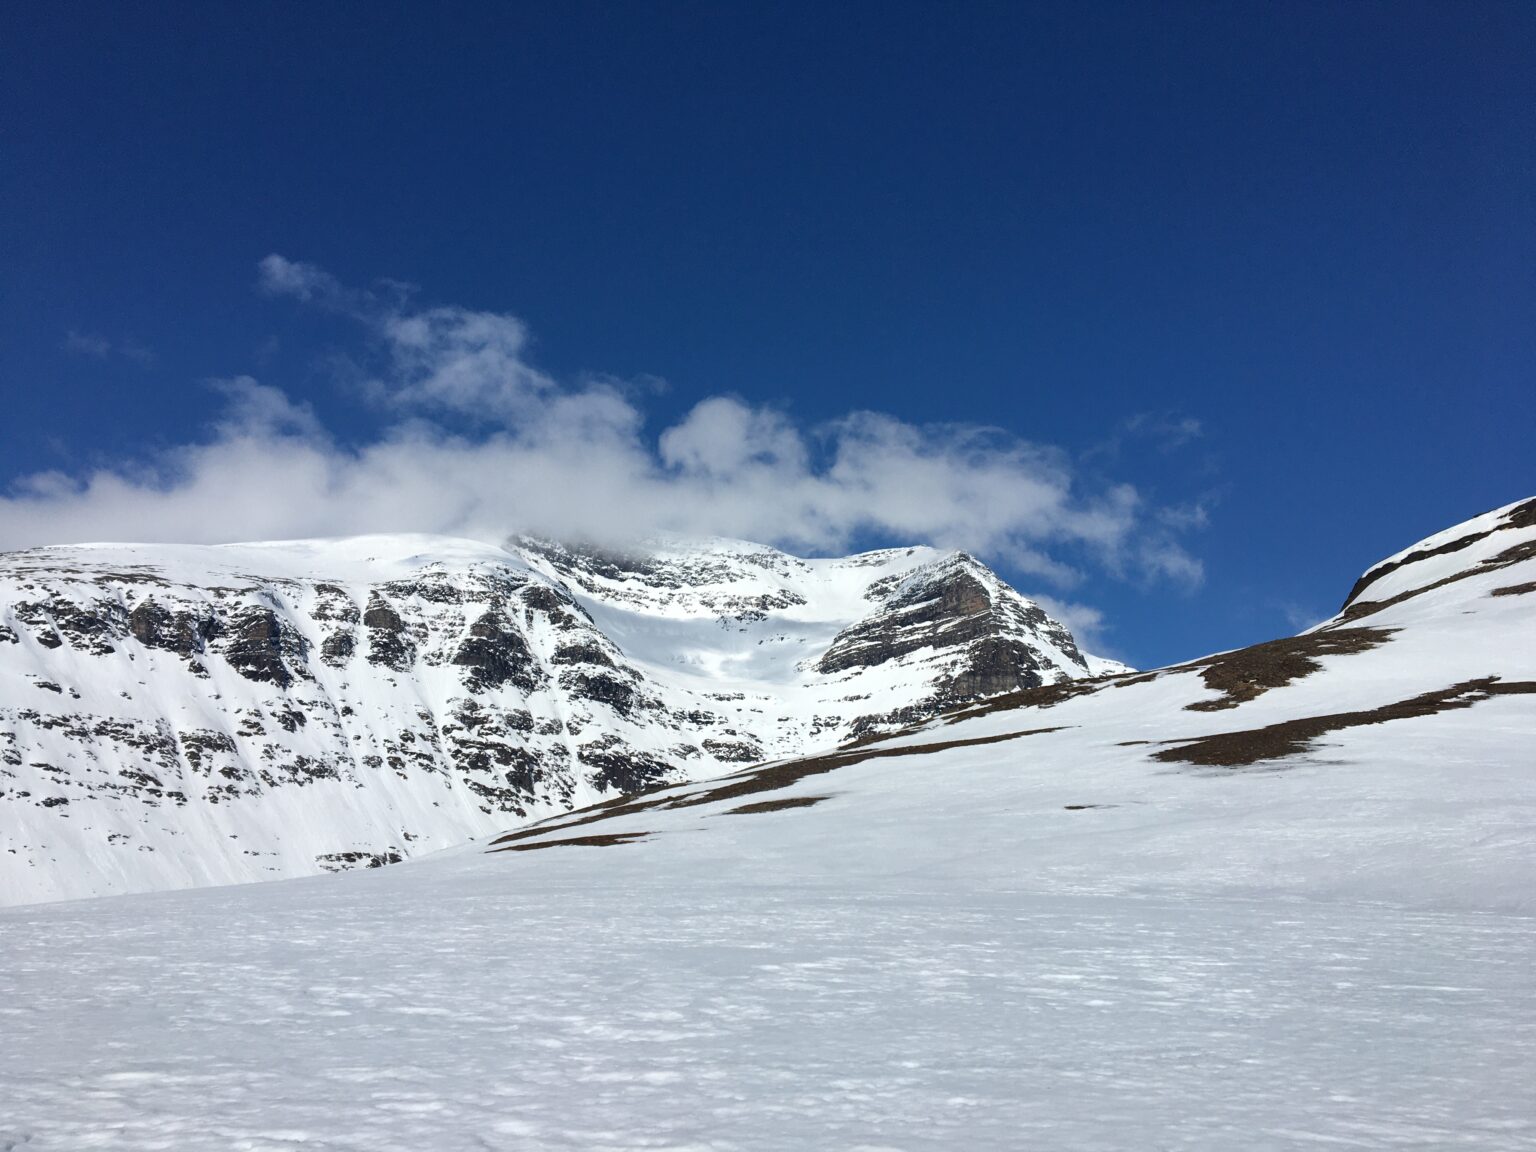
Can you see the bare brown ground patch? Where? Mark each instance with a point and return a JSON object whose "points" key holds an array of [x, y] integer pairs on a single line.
{"points": [[1515, 589], [775, 805], [602, 841], [1275, 741], [754, 781], [772, 777], [1046, 696], [605, 811], [1250, 672], [1239, 676]]}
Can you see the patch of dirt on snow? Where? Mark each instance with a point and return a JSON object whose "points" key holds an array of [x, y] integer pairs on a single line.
{"points": [[1045, 696], [1515, 589], [768, 778], [602, 841], [1250, 672], [775, 805], [1275, 741], [773, 777], [1239, 676]]}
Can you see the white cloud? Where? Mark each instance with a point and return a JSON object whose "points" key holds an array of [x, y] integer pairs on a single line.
{"points": [[255, 411], [456, 360], [277, 276], [525, 452], [724, 437]]}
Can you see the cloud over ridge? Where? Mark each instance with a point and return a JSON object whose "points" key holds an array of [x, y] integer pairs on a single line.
{"points": [[480, 442]]}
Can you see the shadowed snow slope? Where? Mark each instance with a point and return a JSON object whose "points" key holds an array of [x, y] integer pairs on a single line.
{"points": [[1271, 899], [178, 716]]}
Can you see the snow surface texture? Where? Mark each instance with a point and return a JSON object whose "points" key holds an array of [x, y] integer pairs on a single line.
{"points": [[179, 716], [1129, 931]]}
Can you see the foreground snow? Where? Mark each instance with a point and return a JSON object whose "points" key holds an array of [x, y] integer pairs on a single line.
{"points": [[599, 1003]]}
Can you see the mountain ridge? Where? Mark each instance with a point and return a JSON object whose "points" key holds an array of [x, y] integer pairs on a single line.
{"points": [[1418, 724], [175, 714]]}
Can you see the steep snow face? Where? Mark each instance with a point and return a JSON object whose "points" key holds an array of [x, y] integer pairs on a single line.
{"points": [[192, 715], [857, 644], [1487, 543], [1277, 898]]}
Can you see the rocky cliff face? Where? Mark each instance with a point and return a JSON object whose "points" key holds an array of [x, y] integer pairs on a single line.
{"points": [[955, 617], [176, 715]]}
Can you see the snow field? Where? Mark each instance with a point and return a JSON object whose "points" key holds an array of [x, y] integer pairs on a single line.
{"points": [[1048, 941], [448, 1008]]}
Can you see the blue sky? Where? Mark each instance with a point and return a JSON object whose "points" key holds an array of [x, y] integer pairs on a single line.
{"points": [[1181, 315]]}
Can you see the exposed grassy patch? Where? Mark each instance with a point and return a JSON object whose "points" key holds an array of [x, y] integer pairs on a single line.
{"points": [[1250, 672], [1275, 741], [1515, 589], [775, 805], [601, 841], [754, 781], [1046, 696]]}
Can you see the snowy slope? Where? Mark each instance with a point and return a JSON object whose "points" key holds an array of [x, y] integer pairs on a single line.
{"points": [[1387, 754], [174, 716], [900, 630], [1278, 898]]}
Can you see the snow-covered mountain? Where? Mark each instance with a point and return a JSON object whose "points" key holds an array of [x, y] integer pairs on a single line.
{"points": [[1388, 753], [173, 716], [1277, 898]]}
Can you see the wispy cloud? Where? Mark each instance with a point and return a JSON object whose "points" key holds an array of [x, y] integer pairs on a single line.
{"points": [[1164, 432], [1087, 624], [480, 442], [1300, 617], [142, 356], [87, 344], [95, 346]]}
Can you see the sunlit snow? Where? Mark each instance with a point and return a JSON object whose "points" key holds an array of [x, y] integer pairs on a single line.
{"points": [[1026, 939]]}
